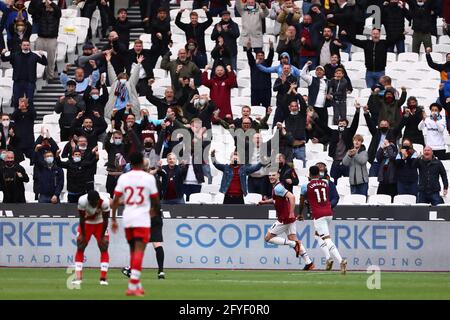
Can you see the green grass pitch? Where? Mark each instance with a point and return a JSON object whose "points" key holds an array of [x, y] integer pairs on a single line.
{"points": [[17, 283]]}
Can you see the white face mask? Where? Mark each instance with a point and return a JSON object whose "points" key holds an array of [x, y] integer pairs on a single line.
{"points": [[26, 51], [123, 81], [49, 160], [82, 148], [250, 7], [5, 123], [294, 113], [76, 159], [202, 101], [434, 114]]}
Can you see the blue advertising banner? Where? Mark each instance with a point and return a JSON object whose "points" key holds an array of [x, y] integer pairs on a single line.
{"points": [[234, 244]]}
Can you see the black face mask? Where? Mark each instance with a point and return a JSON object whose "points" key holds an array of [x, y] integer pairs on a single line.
{"points": [[9, 163], [148, 145], [235, 163], [384, 129]]}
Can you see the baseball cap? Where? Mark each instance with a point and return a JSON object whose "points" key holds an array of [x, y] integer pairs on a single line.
{"points": [[71, 82], [224, 12], [88, 46], [320, 67]]}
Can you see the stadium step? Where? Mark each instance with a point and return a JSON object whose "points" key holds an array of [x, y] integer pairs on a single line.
{"points": [[46, 97]]}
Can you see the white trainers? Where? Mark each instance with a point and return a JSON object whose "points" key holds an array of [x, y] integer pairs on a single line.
{"points": [[161, 275], [104, 283], [344, 266]]}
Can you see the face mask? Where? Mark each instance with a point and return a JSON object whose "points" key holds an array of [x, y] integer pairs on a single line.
{"points": [[148, 145], [341, 129], [420, 4], [384, 129], [294, 113], [191, 47], [82, 148], [235, 163], [26, 51], [88, 129], [95, 96], [76, 159], [117, 141], [3, 156], [323, 174], [9, 163], [5, 123], [434, 114], [123, 81], [202, 102], [250, 7], [49, 160]]}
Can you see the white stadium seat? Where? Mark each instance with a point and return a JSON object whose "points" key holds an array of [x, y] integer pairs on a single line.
{"points": [[353, 199], [405, 199], [252, 198], [379, 200]]}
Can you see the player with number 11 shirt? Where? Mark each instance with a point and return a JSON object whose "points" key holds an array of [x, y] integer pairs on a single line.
{"points": [[317, 193], [139, 193]]}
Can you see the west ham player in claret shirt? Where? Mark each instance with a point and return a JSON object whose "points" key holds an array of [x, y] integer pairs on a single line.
{"points": [[317, 193], [284, 202], [139, 193], [94, 215]]}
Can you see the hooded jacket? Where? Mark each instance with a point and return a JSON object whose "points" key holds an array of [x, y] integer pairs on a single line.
{"points": [[279, 68]]}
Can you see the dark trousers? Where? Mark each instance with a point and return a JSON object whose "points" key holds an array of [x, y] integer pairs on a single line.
{"points": [[434, 198], [142, 87], [261, 97], [87, 12], [23, 88], [279, 116], [387, 188], [360, 189], [74, 197], [322, 113], [374, 168], [260, 185], [64, 133], [189, 189], [441, 154], [338, 170], [111, 182], [407, 188], [233, 200], [339, 111]]}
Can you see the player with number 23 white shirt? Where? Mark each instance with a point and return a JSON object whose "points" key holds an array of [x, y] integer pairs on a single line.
{"points": [[138, 191]]}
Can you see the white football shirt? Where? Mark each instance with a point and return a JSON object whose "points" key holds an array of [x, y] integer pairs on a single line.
{"points": [[136, 188], [94, 215]]}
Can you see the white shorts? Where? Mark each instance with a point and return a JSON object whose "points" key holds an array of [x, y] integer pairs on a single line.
{"points": [[279, 228], [322, 224]]}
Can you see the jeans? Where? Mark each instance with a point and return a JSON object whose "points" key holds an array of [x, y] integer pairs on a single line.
{"points": [[207, 172], [338, 170], [300, 154], [374, 168], [434, 198], [360, 189], [189, 189], [407, 188], [44, 199], [373, 77], [305, 7], [173, 201], [400, 44], [234, 63], [348, 49], [21, 88]]}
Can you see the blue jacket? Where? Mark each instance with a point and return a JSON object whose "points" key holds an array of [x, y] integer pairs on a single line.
{"points": [[334, 195], [50, 180], [9, 17], [279, 68], [244, 171]]}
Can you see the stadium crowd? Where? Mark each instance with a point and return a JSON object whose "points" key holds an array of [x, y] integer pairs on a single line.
{"points": [[107, 108]]}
